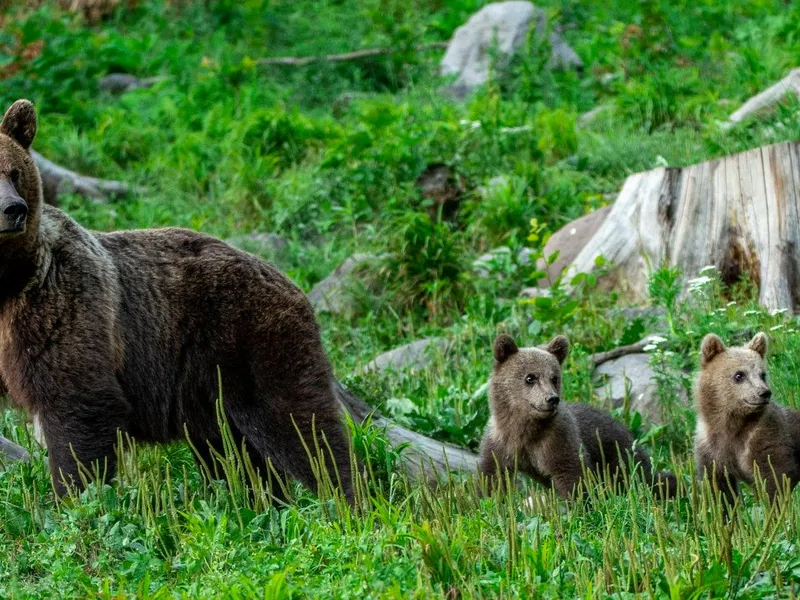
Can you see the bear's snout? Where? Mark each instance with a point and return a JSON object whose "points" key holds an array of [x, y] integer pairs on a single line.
{"points": [[13, 209], [765, 394], [553, 400]]}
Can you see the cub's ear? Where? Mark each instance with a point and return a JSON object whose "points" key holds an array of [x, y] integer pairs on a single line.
{"points": [[712, 346], [558, 347], [19, 123], [759, 343], [504, 347]]}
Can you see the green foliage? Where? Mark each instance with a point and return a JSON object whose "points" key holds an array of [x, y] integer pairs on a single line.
{"points": [[425, 270]]}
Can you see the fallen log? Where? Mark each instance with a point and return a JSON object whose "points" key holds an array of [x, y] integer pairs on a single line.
{"points": [[300, 61], [739, 214], [11, 452], [423, 457], [57, 179]]}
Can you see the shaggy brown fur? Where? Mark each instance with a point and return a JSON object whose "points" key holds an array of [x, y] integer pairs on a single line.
{"points": [[547, 440], [738, 426], [125, 331]]}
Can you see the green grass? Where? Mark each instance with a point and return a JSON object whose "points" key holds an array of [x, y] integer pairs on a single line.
{"points": [[228, 146]]}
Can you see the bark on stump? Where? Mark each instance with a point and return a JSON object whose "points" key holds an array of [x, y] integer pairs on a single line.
{"points": [[739, 213]]}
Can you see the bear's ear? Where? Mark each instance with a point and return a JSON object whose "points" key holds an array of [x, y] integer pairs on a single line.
{"points": [[712, 346], [19, 123], [759, 344], [559, 347], [504, 346]]}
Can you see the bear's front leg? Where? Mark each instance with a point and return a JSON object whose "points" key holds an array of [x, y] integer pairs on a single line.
{"points": [[80, 428]]}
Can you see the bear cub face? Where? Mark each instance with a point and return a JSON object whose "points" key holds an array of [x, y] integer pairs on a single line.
{"points": [[737, 376], [530, 379], [18, 178]]}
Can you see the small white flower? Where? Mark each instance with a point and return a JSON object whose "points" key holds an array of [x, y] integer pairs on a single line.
{"points": [[649, 348], [698, 282], [731, 304], [707, 269], [776, 327], [656, 339], [778, 311], [476, 124], [463, 122], [749, 313]]}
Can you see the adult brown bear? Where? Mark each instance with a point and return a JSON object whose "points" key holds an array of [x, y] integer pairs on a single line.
{"points": [[126, 330]]}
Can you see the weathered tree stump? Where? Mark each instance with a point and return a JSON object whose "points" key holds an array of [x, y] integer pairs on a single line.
{"points": [[740, 214]]}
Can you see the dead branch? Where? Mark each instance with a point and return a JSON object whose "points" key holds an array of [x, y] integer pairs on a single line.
{"points": [[599, 358], [300, 61], [57, 179]]}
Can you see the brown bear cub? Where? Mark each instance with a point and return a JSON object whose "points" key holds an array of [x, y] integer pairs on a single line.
{"points": [[738, 426], [548, 440], [125, 331]]}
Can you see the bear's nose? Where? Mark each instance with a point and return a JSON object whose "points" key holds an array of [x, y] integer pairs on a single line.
{"points": [[766, 394], [16, 211], [553, 400]]}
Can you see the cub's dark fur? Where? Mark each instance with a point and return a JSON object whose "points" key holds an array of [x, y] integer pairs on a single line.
{"points": [[738, 426], [125, 331], [546, 439]]}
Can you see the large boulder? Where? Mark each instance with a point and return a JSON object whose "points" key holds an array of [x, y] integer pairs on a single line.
{"points": [[633, 375], [415, 356], [505, 24]]}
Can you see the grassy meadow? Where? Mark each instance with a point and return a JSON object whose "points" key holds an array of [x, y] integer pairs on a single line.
{"points": [[326, 155]]}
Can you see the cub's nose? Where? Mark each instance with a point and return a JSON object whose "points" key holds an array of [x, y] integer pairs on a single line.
{"points": [[16, 211], [553, 401], [766, 394]]}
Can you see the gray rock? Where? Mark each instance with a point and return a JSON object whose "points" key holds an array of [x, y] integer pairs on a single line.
{"points": [[634, 370], [333, 294], [485, 264], [415, 356], [503, 25]]}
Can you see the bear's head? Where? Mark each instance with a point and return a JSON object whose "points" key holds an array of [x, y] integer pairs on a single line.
{"points": [[20, 186], [733, 380], [527, 381]]}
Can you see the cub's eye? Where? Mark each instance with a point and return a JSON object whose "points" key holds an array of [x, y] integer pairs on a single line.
{"points": [[763, 376], [555, 381], [739, 377], [530, 379], [14, 175]]}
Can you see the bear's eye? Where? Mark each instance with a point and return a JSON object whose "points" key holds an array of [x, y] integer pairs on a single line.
{"points": [[14, 175], [739, 377], [530, 379], [763, 376], [555, 381]]}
